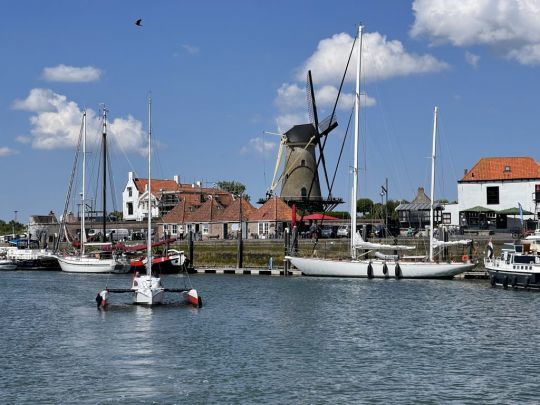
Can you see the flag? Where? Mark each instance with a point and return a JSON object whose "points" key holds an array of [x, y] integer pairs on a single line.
{"points": [[520, 213], [489, 250]]}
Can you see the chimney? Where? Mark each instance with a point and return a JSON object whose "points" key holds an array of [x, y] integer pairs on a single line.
{"points": [[177, 179], [130, 176], [465, 171]]}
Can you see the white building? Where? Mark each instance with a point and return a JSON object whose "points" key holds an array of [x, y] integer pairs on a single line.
{"points": [[498, 184], [135, 197]]}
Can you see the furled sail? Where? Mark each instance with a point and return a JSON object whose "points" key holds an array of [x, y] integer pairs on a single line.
{"points": [[438, 243], [360, 243]]}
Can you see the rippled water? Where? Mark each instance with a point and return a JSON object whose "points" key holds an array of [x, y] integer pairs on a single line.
{"points": [[269, 340]]}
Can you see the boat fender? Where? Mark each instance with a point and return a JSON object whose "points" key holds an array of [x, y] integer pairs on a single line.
{"points": [[385, 269], [369, 270], [200, 302], [492, 281], [527, 281], [514, 282], [465, 258], [505, 282], [98, 300], [398, 271]]}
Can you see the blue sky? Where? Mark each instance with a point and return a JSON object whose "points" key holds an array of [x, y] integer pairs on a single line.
{"points": [[220, 73]]}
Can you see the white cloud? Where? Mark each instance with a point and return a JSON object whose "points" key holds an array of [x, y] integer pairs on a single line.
{"points": [[258, 145], [381, 59], [63, 73], [290, 96], [192, 50], [23, 139], [472, 59], [56, 124], [6, 151], [285, 122], [326, 97], [509, 26]]}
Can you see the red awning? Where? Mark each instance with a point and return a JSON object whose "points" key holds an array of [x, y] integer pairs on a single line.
{"points": [[319, 217]]}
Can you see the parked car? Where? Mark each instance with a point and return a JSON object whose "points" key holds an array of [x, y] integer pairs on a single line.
{"points": [[343, 232], [328, 232]]}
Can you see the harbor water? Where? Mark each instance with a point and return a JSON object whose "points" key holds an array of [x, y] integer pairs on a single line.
{"points": [[262, 339]]}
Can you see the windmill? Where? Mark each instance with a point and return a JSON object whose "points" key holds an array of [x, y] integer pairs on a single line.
{"points": [[303, 146]]}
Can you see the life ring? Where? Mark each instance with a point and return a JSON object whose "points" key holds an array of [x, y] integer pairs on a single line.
{"points": [[369, 270], [385, 269], [505, 282], [465, 258], [398, 271]]}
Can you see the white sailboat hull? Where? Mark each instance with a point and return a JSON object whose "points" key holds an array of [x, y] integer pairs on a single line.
{"points": [[148, 290], [7, 265], [360, 268], [86, 264]]}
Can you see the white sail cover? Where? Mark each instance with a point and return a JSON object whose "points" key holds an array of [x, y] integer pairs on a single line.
{"points": [[360, 243], [438, 243]]}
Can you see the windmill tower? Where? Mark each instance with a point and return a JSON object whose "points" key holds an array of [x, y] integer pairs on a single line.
{"points": [[303, 148]]}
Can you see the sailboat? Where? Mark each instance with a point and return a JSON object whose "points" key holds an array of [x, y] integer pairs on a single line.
{"points": [[103, 262], [384, 265], [147, 288]]}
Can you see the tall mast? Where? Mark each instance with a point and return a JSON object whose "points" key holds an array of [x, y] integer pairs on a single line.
{"points": [[149, 230], [432, 194], [83, 209], [355, 159], [104, 143]]}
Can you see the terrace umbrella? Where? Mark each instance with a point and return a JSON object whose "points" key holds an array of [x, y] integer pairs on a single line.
{"points": [[320, 217]]}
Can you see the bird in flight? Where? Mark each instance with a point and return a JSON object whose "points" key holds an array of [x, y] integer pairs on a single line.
{"points": [[139, 22]]}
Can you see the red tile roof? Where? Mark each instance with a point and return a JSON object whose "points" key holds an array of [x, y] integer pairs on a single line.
{"points": [[503, 168], [210, 211], [157, 185], [273, 210], [232, 212]]}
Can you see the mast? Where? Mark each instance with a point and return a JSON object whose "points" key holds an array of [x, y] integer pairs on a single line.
{"points": [[432, 194], [104, 143], [355, 159], [83, 210], [149, 229]]}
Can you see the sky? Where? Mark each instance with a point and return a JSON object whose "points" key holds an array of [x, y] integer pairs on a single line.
{"points": [[223, 73]]}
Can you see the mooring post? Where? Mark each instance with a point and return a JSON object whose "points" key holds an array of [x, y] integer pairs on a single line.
{"points": [[190, 247], [240, 250]]}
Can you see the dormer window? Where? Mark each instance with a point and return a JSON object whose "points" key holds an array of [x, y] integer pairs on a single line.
{"points": [[507, 169], [130, 191]]}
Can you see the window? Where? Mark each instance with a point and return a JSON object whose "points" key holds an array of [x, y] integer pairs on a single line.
{"points": [[303, 192], [205, 229], [507, 169], [303, 162], [263, 228], [130, 208], [174, 229], [447, 218], [492, 195], [166, 228], [130, 192]]}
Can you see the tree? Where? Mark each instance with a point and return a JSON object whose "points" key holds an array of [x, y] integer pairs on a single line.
{"points": [[364, 205], [233, 187]]}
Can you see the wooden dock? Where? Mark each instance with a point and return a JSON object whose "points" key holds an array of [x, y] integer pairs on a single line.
{"points": [[472, 275], [252, 272]]}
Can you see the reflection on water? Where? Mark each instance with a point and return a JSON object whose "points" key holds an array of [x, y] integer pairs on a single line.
{"points": [[268, 339]]}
